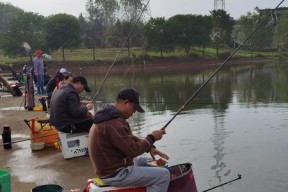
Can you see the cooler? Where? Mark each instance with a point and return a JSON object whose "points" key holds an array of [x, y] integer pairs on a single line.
{"points": [[73, 144]]}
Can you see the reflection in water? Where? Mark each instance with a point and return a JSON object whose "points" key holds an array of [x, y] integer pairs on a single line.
{"points": [[221, 95], [218, 140]]}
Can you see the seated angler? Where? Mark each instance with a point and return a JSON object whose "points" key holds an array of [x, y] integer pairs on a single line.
{"points": [[115, 151], [67, 113]]}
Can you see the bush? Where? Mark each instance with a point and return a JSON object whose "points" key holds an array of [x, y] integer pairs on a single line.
{"points": [[259, 55], [224, 55], [194, 55]]}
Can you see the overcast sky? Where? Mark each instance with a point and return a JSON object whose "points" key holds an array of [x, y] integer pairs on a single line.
{"points": [[159, 8]]}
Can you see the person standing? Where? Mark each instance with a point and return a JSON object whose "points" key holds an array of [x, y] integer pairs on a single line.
{"points": [[115, 152], [39, 71], [67, 113]]}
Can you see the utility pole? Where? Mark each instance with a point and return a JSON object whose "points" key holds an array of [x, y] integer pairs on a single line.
{"points": [[219, 4]]}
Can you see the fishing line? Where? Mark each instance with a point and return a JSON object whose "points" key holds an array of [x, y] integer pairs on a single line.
{"points": [[216, 71], [122, 47]]}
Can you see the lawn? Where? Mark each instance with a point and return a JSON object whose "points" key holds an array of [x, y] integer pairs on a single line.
{"points": [[104, 55]]}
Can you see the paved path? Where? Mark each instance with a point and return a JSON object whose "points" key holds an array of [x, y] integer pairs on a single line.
{"points": [[29, 169]]}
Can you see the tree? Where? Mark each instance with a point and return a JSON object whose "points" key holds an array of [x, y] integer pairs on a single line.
{"points": [[101, 18], [222, 28], [282, 33], [155, 36], [62, 31], [26, 27], [7, 12], [120, 32], [131, 9], [262, 38], [203, 30], [187, 31]]}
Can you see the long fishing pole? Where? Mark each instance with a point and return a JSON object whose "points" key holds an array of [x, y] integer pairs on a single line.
{"points": [[28, 139], [216, 71], [239, 177], [122, 47]]}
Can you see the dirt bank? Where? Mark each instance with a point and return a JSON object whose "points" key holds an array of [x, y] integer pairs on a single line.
{"points": [[150, 66], [163, 65]]}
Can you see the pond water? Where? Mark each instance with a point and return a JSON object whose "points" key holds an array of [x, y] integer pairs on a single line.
{"points": [[237, 124]]}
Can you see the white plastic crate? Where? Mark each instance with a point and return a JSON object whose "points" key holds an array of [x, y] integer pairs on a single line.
{"points": [[73, 144]]}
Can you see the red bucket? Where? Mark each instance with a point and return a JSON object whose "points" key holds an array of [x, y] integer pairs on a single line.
{"points": [[182, 178]]}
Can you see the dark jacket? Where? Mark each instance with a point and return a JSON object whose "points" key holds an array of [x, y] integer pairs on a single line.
{"points": [[65, 107], [53, 83], [112, 145]]}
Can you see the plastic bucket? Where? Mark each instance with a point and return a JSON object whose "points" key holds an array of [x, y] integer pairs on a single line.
{"points": [[5, 181], [182, 178], [48, 188]]}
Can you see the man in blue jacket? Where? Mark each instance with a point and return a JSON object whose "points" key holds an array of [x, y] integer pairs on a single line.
{"points": [[39, 71]]}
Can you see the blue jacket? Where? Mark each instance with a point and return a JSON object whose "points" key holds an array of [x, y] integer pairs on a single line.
{"points": [[38, 66]]}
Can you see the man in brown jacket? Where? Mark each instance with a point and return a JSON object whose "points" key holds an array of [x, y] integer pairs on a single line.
{"points": [[115, 151]]}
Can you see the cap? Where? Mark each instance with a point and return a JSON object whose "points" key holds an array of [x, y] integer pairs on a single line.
{"points": [[131, 95], [64, 70], [38, 52], [82, 80]]}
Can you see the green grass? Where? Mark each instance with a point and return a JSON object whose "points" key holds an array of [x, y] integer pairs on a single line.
{"points": [[104, 55]]}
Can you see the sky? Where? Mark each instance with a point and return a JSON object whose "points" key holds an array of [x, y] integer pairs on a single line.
{"points": [[158, 8]]}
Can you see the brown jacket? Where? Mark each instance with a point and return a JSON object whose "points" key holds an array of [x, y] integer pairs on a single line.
{"points": [[112, 145]]}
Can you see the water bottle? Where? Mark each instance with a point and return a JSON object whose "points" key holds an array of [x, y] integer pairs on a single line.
{"points": [[6, 137]]}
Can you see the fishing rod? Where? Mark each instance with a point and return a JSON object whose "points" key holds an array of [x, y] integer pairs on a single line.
{"points": [[122, 47], [216, 71], [28, 139], [239, 177]]}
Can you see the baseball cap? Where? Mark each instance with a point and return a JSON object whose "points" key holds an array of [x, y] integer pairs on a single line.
{"points": [[131, 95], [38, 52], [82, 80], [64, 70]]}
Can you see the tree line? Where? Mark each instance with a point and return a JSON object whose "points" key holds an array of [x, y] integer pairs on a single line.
{"points": [[108, 23]]}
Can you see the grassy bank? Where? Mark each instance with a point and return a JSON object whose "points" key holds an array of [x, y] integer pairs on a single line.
{"points": [[133, 55]]}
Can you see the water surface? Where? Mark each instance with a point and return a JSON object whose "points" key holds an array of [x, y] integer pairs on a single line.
{"points": [[238, 124]]}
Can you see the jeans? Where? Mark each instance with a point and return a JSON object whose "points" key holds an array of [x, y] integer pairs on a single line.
{"points": [[40, 84], [156, 179]]}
